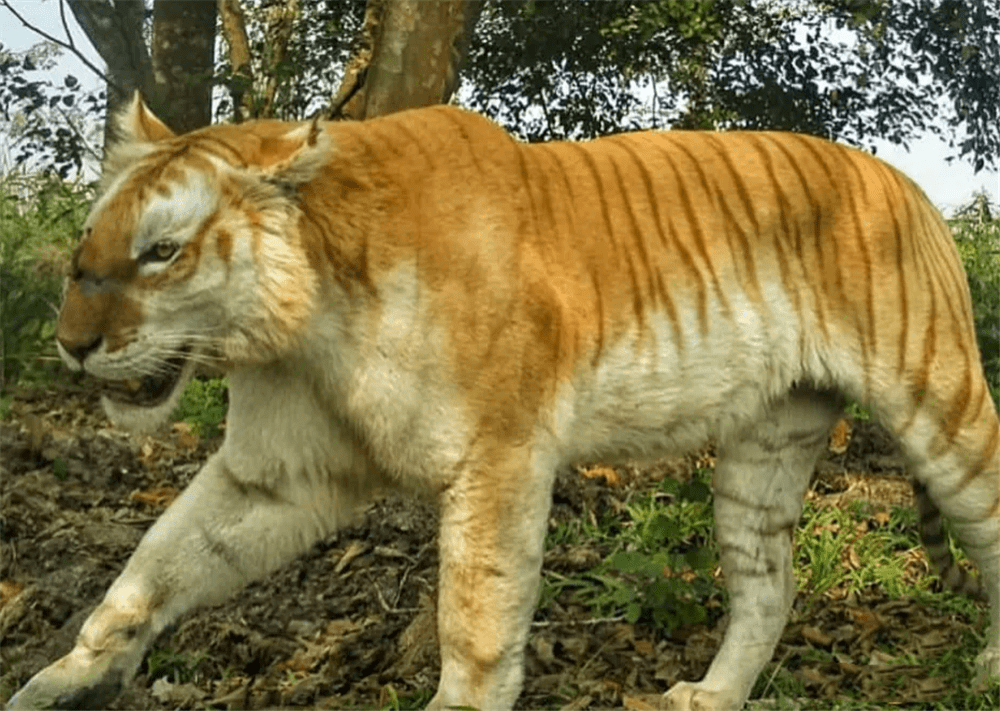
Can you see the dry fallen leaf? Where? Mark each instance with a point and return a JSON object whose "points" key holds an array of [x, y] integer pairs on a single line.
{"points": [[607, 473], [544, 649], [813, 675], [840, 436], [866, 619], [177, 695], [577, 704], [8, 591], [354, 549], [816, 636], [642, 702], [645, 648], [158, 497], [851, 558], [186, 437]]}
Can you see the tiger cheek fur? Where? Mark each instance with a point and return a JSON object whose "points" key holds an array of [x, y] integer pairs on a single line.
{"points": [[421, 302]]}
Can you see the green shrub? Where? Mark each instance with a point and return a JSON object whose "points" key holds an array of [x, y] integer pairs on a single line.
{"points": [[39, 218], [979, 244], [203, 405], [662, 573]]}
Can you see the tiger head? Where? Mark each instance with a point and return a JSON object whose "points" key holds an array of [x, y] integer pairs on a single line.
{"points": [[191, 253]]}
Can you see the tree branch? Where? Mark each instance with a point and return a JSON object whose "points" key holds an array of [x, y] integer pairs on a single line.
{"points": [[278, 31], [234, 29], [71, 46], [348, 102]]}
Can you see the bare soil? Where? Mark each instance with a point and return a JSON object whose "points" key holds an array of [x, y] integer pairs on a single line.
{"points": [[351, 623]]}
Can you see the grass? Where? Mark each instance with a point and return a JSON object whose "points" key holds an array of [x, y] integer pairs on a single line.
{"points": [[39, 218], [176, 667], [659, 565], [979, 245], [394, 701], [660, 569], [203, 405], [847, 550]]}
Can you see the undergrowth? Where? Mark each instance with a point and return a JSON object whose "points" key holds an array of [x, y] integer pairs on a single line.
{"points": [[660, 569], [203, 405], [39, 218], [979, 245]]}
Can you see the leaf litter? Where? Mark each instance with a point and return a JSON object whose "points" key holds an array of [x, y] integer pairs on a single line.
{"points": [[352, 623]]}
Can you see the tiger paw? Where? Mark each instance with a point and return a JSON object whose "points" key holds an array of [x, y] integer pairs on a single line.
{"points": [[685, 696], [80, 680]]}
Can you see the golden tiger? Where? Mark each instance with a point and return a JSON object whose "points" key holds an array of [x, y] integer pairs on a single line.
{"points": [[422, 302]]}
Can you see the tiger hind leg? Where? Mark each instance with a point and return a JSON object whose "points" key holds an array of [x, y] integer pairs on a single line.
{"points": [[960, 473], [760, 479]]}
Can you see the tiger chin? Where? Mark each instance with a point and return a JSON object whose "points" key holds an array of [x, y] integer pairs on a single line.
{"points": [[421, 302]]}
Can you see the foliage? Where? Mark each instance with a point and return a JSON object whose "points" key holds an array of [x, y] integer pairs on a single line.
{"points": [[203, 405], [979, 243], [39, 217], [48, 124], [861, 69], [393, 701], [846, 69], [831, 538], [175, 666], [856, 554], [662, 571], [858, 412], [563, 69], [310, 71]]}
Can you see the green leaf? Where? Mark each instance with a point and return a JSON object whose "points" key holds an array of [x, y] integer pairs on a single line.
{"points": [[663, 528], [59, 469], [623, 595], [628, 561], [700, 558], [695, 490]]}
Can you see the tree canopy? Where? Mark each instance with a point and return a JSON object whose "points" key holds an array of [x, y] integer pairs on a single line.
{"points": [[852, 70]]}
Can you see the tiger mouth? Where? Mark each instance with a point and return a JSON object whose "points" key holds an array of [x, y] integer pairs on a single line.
{"points": [[149, 391]]}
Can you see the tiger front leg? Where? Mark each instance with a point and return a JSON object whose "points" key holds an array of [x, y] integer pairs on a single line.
{"points": [[491, 543], [222, 532], [107, 654]]}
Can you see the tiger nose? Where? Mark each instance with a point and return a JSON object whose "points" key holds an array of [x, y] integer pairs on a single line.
{"points": [[80, 351]]}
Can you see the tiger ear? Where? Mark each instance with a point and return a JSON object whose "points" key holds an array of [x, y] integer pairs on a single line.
{"points": [[137, 130], [137, 124], [298, 156]]}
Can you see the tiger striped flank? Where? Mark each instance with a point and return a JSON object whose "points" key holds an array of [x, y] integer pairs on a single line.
{"points": [[422, 303]]}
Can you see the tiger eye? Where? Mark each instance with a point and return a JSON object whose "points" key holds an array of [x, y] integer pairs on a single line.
{"points": [[164, 250]]}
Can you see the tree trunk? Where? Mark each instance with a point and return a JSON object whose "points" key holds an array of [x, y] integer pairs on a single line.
{"points": [[184, 61], [410, 56], [278, 27], [115, 30], [176, 80], [234, 28]]}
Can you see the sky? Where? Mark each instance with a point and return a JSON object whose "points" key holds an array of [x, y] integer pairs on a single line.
{"points": [[949, 185]]}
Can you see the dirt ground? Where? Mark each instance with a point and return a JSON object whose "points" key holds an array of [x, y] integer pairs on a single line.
{"points": [[351, 624]]}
